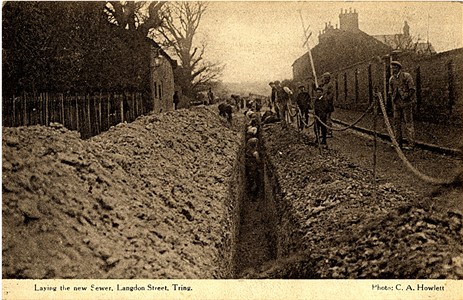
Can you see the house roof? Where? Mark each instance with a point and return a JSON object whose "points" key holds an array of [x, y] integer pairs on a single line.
{"points": [[153, 43], [343, 48]]}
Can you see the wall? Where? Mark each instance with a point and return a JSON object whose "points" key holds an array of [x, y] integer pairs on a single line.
{"points": [[440, 85], [438, 80], [162, 84]]}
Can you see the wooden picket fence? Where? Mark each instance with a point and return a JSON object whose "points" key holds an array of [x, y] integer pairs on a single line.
{"points": [[90, 114]]}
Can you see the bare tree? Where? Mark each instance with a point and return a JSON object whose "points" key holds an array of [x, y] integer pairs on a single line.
{"points": [[139, 16], [178, 30], [405, 42]]}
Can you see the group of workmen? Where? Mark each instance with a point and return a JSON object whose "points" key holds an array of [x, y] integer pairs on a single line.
{"points": [[401, 91], [322, 104]]}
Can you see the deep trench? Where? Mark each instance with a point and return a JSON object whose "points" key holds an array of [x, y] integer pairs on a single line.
{"points": [[256, 242]]}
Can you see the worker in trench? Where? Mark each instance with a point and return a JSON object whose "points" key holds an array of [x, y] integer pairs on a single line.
{"points": [[253, 168], [252, 156], [226, 110]]}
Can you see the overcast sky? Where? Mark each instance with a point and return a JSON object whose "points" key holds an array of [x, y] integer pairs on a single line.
{"points": [[260, 40]]}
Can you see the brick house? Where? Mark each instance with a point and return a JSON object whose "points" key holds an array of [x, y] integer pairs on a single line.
{"points": [[162, 81], [339, 48], [348, 54]]}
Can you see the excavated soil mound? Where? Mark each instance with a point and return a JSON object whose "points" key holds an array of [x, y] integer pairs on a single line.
{"points": [[333, 223], [149, 199]]}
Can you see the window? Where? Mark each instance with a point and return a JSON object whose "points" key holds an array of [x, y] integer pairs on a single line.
{"points": [[160, 90]]}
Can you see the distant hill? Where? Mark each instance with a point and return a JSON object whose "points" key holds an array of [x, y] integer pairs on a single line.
{"points": [[244, 88]]}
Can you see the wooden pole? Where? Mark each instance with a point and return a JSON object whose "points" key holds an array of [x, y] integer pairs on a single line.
{"points": [[309, 51]]}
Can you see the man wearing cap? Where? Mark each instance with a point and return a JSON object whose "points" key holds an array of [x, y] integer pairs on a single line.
{"points": [[303, 102], [328, 95], [321, 109], [273, 95], [282, 98], [402, 92]]}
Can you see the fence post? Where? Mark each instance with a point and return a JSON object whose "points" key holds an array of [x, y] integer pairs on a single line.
{"points": [[71, 111], [35, 100], [47, 113], [77, 113], [62, 109], [370, 85], [6, 116], [108, 103], [418, 90], [451, 88], [345, 88], [14, 111], [132, 109], [387, 75], [121, 102], [41, 111], [137, 104], [24, 110], [99, 114], [356, 83], [89, 115]]}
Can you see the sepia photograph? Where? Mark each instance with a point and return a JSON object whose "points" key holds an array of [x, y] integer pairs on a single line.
{"points": [[148, 146]]}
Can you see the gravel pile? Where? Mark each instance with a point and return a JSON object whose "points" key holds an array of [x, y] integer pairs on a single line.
{"points": [[149, 199], [335, 224]]}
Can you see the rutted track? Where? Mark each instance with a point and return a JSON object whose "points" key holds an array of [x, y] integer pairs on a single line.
{"points": [[421, 145], [332, 224]]}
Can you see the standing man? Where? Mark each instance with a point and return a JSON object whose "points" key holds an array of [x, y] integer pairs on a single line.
{"points": [[321, 107], [278, 89], [210, 96], [303, 102], [273, 95], [328, 95], [282, 101], [402, 91], [176, 100]]}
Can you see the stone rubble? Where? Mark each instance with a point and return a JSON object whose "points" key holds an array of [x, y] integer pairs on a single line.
{"points": [[149, 199], [333, 225]]}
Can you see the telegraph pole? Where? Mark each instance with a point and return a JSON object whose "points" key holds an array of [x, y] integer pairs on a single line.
{"points": [[306, 43]]}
